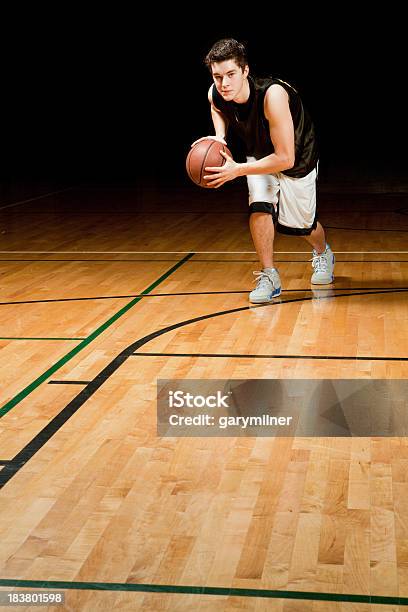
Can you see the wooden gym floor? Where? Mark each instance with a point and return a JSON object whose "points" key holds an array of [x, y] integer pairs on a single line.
{"points": [[104, 290]]}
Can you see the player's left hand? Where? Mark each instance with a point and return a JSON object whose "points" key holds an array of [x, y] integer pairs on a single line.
{"points": [[221, 174]]}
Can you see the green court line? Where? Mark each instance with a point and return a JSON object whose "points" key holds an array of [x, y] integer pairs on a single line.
{"points": [[205, 590], [15, 338], [27, 390]]}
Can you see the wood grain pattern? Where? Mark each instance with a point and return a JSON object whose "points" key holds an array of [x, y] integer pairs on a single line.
{"points": [[107, 500]]}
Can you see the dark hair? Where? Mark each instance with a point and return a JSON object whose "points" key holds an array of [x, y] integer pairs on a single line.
{"points": [[227, 49]]}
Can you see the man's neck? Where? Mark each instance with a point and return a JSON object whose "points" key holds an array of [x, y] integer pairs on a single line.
{"points": [[244, 94]]}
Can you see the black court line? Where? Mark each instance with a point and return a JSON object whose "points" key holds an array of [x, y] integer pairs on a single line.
{"points": [[78, 299], [5, 461], [247, 356], [26, 453], [69, 382], [141, 295], [205, 590], [3, 206]]}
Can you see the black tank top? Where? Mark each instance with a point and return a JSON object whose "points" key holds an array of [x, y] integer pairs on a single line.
{"points": [[249, 123]]}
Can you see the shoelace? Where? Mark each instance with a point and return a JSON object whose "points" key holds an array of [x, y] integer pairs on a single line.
{"points": [[319, 262], [262, 279]]}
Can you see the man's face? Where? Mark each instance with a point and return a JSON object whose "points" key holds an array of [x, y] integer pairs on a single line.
{"points": [[229, 78]]}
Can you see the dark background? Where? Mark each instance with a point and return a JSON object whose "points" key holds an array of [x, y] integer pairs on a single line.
{"points": [[112, 97]]}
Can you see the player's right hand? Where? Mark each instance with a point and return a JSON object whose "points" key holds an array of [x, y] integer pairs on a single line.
{"points": [[216, 138]]}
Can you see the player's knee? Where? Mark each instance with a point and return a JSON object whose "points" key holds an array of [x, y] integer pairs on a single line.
{"points": [[263, 207]]}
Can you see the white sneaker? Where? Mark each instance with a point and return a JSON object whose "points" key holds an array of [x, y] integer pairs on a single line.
{"points": [[323, 266], [268, 286]]}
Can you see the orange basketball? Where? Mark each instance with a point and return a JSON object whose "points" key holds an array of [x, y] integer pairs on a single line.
{"points": [[201, 155]]}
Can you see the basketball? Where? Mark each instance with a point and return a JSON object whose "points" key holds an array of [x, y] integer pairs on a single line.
{"points": [[203, 154]]}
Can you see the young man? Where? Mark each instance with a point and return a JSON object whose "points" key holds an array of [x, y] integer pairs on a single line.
{"points": [[281, 168]]}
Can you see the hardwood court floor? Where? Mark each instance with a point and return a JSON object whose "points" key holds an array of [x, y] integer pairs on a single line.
{"points": [[119, 299]]}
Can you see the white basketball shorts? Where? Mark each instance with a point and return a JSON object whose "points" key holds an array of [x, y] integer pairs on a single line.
{"points": [[296, 198]]}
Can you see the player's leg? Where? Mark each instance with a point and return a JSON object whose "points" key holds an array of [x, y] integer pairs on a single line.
{"points": [[323, 258], [298, 216], [263, 198], [317, 238], [262, 232]]}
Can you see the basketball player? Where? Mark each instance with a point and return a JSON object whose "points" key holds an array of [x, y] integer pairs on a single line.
{"points": [[281, 168]]}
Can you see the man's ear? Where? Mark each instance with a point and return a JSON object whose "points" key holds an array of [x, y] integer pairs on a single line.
{"points": [[246, 70]]}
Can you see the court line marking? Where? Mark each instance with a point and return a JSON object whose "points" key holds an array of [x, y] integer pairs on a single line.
{"points": [[181, 252], [27, 390], [69, 382], [315, 288], [248, 356], [363, 229], [42, 437], [44, 195], [196, 261], [205, 590], [17, 338]]}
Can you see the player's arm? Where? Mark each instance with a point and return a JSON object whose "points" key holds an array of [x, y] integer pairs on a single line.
{"points": [[220, 123], [277, 112], [219, 120]]}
